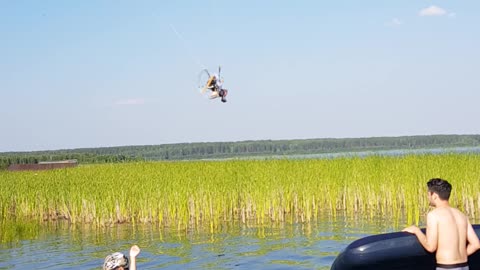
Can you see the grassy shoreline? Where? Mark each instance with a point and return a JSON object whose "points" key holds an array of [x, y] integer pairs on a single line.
{"points": [[206, 193]]}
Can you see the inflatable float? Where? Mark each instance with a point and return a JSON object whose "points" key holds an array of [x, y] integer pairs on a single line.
{"points": [[392, 251]]}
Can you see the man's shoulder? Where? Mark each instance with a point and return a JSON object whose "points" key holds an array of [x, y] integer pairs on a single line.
{"points": [[438, 212], [433, 213]]}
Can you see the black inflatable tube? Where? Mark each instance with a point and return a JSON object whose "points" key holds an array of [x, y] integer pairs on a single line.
{"points": [[392, 251]]}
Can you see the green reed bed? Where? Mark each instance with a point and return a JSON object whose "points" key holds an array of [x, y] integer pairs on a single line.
{"points": [[209, 193]]}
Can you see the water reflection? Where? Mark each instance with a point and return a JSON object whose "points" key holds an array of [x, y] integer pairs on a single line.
{"points": [[233, 246]]}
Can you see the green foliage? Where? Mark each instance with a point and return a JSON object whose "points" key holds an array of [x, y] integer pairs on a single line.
{"points": [[205, 194]]}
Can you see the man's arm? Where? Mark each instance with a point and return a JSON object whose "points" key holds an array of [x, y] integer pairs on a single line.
{"points": [[134, 251], [472, 239], [430, 240]]}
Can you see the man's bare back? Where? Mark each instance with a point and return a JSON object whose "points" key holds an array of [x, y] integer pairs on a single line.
{"points": [[452, 235]]}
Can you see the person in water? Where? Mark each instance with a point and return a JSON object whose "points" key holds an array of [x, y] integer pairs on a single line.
{"points": [[449, 232], [118, 261]]}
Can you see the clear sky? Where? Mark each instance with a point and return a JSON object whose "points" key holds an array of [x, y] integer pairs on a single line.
{"points": [[77, 74]]}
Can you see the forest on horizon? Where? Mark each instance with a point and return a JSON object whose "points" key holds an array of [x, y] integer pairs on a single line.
{"points": [[219, 150]]}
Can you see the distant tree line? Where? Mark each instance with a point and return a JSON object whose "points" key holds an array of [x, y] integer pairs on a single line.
{"points": [[183, 151]]}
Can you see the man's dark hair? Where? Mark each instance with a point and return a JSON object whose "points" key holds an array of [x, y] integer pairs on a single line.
{"points": [[441, 187]]}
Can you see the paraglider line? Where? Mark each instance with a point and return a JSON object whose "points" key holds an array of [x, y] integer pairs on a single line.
{"points": [[187, 48]]}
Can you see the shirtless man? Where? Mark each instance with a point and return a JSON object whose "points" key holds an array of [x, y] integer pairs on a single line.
{"points": [[449, 233]]}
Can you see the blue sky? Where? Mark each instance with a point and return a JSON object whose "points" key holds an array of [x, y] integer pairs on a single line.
{"points": [[107, 73]]}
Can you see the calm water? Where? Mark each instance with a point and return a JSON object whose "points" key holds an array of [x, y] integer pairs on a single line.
{"points": [[234, 246], [393, 152]]}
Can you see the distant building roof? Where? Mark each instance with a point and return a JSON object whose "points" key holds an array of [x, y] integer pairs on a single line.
{"points": [[47, 165]]}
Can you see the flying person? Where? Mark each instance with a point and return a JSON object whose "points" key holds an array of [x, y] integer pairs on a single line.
{"points": [[215, 84]]}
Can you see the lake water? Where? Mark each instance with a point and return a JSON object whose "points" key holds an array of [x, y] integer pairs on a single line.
{"points": [[393, 152], [233, 246]]}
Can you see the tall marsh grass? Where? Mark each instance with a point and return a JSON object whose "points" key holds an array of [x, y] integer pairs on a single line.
{"points": [[208, 193]]}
